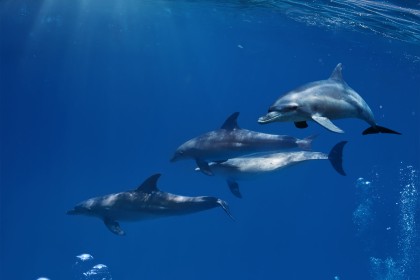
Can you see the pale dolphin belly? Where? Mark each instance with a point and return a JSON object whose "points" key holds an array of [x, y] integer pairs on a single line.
{"points": [[249, 167]]}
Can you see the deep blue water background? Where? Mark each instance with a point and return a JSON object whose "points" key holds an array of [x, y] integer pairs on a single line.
{"points": [[97, 95]]}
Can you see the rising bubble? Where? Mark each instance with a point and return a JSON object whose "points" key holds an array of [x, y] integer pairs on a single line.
{"points": [[396, 265], [85, 268]]}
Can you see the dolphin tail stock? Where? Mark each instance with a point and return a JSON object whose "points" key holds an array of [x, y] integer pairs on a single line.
{"points": [[379, 129], [306, 143], [336, 157], [225, 207]]}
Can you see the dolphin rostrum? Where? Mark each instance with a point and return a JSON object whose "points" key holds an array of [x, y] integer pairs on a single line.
{"points": [[231, 141], [323, 101], [145, 202], [248, 167]]}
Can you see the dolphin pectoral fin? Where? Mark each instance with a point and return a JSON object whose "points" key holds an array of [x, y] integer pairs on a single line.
{"points": [[301, 124], [204, 167], [325, 122], [225, 207], [114, 227], [336, 157], [379, 129], [234, 188]]}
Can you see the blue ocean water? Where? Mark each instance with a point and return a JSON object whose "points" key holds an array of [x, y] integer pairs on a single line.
{"points": [[96, 95]]}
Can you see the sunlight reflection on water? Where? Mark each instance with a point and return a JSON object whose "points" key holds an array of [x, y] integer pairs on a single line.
{"points": [[399, 22]]}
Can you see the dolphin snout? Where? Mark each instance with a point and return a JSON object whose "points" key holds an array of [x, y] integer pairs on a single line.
{"points": [[262, 120], [270, 117], [79, 210], [179, 154], [72, 212]]}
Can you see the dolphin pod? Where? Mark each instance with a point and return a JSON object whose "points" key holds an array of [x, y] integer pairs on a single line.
{"points": [[236, 154]]}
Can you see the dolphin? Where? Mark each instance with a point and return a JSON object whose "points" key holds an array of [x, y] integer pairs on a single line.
{"points": [[145, 202], [231, 141], [323, 101], [248, 167]]}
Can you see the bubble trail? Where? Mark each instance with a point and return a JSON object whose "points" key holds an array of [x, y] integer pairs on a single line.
{"points": [[399, 265], [85, 269], [407, 220]]}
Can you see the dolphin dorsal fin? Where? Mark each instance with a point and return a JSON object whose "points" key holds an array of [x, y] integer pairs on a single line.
{"points": [[231, 123], [149, 185], [336, 74]]}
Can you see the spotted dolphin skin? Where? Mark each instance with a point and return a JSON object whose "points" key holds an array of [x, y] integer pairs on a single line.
{"points": [[248, 167], [145, 202], [231, 141], [323, 101]]}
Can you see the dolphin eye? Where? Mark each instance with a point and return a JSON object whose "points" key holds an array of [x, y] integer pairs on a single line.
{"points": [[289, 108]]}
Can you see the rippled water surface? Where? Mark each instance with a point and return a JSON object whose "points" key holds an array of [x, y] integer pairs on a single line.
{"points": [[399, 20]]}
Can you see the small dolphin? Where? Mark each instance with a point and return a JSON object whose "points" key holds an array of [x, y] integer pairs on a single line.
{"points": [[250, 166], [145, 202], [323, 101], [231, 141]]}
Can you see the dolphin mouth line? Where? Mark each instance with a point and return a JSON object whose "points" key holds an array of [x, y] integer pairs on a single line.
{"points": [[267, 118], [174, 159]]}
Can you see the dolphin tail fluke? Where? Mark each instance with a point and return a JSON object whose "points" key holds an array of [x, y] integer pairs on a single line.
{"points": [[225, 207], [379, 129], [234, 188], [336, 157], [306, 143]]}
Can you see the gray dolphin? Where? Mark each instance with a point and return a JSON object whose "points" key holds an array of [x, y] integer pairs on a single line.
{"points": [[323, 101], [248, 167], [231, 141], [145, 202]]}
